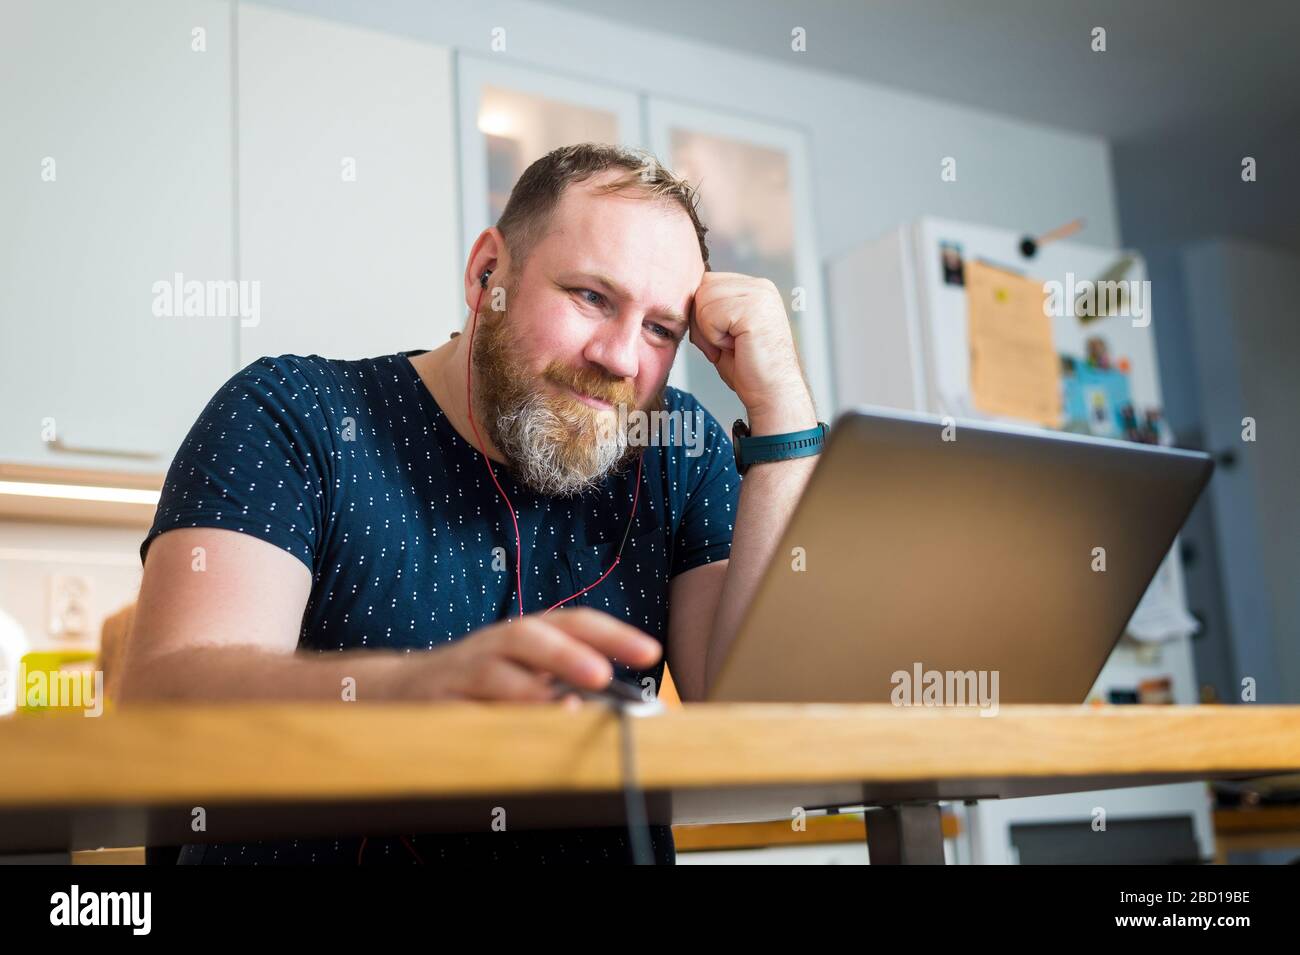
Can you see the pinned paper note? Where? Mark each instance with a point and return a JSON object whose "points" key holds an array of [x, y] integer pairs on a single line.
{"points": [[1014, 368]]}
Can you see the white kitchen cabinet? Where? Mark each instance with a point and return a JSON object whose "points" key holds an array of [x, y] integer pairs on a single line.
{"points": [[115, 174], [348, 212]]}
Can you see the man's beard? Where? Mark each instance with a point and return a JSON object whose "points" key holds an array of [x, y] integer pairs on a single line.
{"points": [[554, 443]]}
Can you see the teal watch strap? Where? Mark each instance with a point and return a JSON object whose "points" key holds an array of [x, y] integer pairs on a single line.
{"points": [[752, 449]]}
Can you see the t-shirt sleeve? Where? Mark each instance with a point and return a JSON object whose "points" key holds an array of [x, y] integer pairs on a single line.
{"points": [[712, 496], [256, 461]]}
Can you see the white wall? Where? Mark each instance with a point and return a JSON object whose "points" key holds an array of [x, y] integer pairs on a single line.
{"points": [[1228, 349], [1241, 300], [30, 552]]}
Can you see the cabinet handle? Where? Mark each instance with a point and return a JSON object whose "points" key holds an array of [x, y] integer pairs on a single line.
{"points": [[58, 445]]}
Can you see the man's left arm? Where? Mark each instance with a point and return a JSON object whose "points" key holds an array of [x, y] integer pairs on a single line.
{"points": [[740, 324]]}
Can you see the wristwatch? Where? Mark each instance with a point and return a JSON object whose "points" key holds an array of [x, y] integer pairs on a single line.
{"points": [[775, 447]]}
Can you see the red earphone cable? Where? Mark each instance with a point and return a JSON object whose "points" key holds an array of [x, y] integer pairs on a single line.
{"points": [[635, 496], [519, 549], [469, 404], [364, 839]]}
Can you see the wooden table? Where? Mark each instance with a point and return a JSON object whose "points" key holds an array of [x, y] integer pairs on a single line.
{"points": [[1252, 828], [291, 770]]}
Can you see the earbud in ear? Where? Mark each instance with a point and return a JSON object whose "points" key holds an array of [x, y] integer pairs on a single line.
{"points": [[482, 282]]}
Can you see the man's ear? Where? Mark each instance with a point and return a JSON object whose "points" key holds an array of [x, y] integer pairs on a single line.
{"points": [[488, 256]]}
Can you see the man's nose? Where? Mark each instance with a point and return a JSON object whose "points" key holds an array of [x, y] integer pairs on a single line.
{"points": [[615, 347]]}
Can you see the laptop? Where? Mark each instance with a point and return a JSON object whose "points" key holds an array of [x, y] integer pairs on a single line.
{"points": [[927, 546]]}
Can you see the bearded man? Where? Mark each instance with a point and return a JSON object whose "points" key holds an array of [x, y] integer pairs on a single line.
{"points": [[475, 522]]}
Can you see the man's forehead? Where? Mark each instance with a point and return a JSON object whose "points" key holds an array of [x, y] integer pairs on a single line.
{"points": [[584, 205], [646, 246]]}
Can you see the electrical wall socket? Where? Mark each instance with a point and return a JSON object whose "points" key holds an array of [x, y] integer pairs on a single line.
{"points": [[69, 605]]}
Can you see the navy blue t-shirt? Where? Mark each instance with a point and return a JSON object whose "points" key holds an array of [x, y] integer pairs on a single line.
{"points": [[352, 467]]}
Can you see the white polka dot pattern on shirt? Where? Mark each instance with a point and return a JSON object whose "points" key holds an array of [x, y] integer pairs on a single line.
{"points": [[352, 467]]}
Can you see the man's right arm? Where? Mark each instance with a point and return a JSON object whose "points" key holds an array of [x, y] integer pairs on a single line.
{"points": [[223, 623], [229, 631]]}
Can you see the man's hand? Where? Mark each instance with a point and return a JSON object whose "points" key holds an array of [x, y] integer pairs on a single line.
{"points": [[520, 660], [231, 633], [739, 322]]}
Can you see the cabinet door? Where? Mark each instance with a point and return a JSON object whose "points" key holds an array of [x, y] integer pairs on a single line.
{"points": [[347, 204], [114, 177], [511, 116], [756, 199]]}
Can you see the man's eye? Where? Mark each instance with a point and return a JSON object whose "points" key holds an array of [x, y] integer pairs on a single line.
{"points": [[596, 298], [664, 333]]}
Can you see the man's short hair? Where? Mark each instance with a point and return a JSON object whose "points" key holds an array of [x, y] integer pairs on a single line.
{"points": [[539, 189]]}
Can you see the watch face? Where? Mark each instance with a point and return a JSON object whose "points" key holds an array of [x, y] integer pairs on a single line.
{"points": [[738, 430]]}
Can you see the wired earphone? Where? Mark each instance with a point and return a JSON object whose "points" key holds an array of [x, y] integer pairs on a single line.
{"points": [[519, 552], [638, 827], [637, 817]]}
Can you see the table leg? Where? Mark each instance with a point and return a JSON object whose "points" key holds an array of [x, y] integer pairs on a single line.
{"points": [[905, 835]]}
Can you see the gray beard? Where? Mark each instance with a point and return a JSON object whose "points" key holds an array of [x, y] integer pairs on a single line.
{"points": [[524, 436]]}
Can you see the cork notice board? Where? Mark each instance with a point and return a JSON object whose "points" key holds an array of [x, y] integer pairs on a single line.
{"points": [[1014, 369]]}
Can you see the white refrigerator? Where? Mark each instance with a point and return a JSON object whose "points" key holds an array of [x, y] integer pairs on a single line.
{"points": [[901, 340]]}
